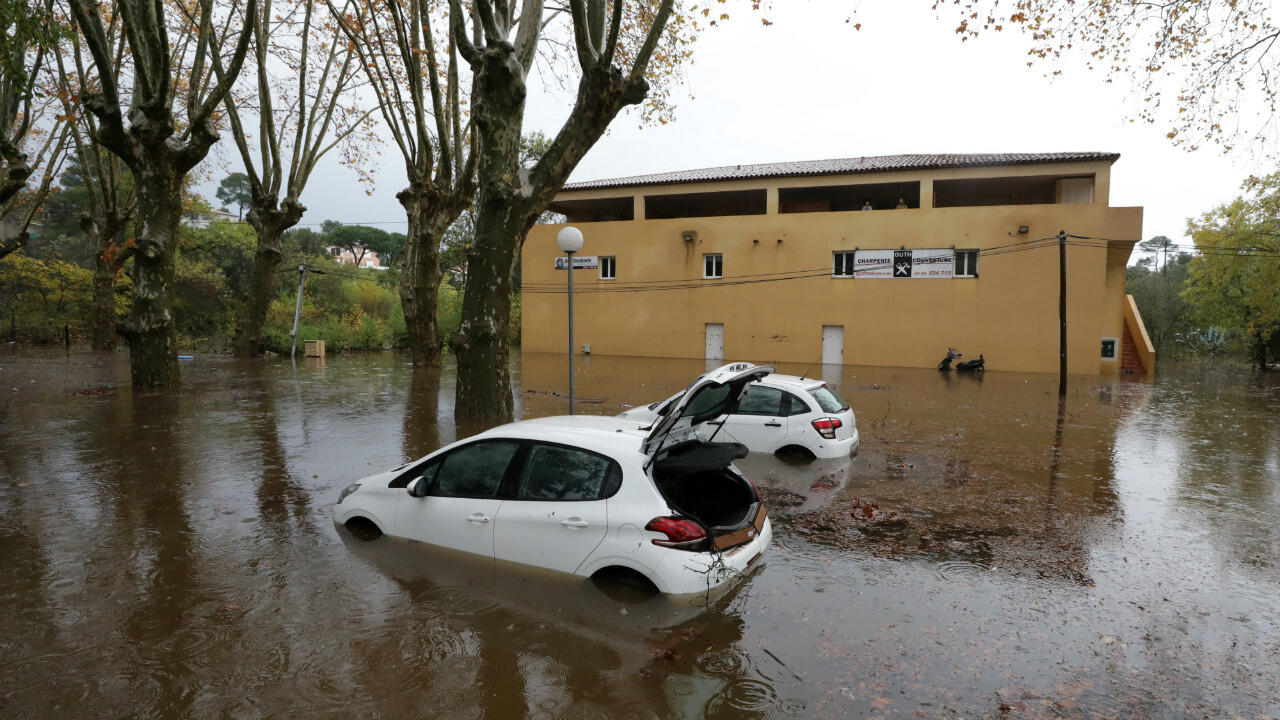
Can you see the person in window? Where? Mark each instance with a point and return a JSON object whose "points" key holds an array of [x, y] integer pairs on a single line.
{"points": [[902, 204], [866, 204]]}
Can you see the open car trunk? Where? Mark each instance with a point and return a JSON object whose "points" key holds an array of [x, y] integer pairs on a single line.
{"points": [[697, 481]]}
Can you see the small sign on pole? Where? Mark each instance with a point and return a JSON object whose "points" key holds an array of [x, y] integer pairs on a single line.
{"points": [[588, 262]]}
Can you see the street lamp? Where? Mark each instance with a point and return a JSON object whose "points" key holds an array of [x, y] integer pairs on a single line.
{"points": [[570, 241]]}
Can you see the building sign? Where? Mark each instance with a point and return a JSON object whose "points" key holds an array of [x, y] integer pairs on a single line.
{"points": [[904, 263], [1109, 348], [581, 262]]}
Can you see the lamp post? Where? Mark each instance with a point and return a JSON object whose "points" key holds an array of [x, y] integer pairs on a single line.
{"points": [[570, 241]]}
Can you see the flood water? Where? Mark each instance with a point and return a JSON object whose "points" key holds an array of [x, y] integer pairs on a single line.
{"points": [[171, 555]]}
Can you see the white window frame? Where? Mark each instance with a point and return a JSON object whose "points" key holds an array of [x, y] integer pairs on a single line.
{"points": [[610, 262], [707, 260], [847, 264], [971, 265]]}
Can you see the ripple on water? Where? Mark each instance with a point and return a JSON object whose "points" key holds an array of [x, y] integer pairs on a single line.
{"points": [[460, 602], [725, 662], [792, 706], [956, 569], [638, 714], [584, 711], [742, 696]]}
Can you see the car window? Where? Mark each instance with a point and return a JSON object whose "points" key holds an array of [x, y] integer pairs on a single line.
{"points": [[474, 470], [760, 400], [556, 472], [828, 400], [793, 405]]}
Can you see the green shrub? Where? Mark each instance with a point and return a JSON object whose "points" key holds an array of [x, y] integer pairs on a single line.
{"points": [[43, 297], [448, 312]]}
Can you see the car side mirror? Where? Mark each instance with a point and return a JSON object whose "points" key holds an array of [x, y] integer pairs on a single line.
{"points": [[418, 487]]}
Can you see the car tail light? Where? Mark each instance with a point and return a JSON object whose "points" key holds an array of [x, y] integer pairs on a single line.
{"points": [[826, 427], [681, 534]]}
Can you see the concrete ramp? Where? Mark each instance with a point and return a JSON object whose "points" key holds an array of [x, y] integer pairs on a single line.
{"points": [[1137, 355]]}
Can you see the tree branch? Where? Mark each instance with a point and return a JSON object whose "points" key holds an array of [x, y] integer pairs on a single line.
{"points": [[581, 37], [641, 63], [458, 24]]}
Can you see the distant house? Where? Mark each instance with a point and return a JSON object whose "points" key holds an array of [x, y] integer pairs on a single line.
{"points": [[204, 219], [369, 259]]}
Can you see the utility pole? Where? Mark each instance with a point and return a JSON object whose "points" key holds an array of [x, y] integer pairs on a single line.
{"points": [[297, 310], [1062, 313]]}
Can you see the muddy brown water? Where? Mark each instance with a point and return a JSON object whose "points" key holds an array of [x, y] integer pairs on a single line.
{"points": [[171, 554]]}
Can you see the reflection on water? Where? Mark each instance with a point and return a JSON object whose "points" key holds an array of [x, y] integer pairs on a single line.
{"points": [[988, 552]]}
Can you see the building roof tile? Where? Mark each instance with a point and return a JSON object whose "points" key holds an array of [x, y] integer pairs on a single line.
{"points": [[842, 166]]}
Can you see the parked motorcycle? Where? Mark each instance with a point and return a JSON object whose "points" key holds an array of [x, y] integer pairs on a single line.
{"points": [[945, 365], [978, 365]]}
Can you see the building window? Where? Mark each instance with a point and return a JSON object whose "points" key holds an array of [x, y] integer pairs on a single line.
{"points": [[712, 265], [608, 267], [966, 263], [843, 265]]}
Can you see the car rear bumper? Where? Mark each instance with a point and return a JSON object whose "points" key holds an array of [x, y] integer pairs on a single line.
{"points": [[682, 573], [839, 448]]}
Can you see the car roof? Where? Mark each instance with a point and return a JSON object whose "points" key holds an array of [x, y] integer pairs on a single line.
{"points": [[610, 435], [791, 381]]}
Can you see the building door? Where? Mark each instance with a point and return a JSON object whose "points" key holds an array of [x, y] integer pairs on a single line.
{"points": [[832, 345], [715, 341]]}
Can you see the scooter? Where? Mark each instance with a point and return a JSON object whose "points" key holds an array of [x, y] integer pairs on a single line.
{"points": [[978, 365], [945, 365]]}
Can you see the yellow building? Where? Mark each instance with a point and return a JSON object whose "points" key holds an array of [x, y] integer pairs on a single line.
{"points": [[862, 261]]}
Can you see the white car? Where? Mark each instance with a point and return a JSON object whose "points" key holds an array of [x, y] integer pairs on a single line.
{"points": [[778, 412], [586, 494]]}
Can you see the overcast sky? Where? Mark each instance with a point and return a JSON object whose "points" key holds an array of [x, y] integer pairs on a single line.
{"points": [[811, 87]]}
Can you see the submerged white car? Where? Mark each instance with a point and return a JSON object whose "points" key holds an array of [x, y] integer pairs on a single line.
{"points": [[586, 494], [777, 413]]}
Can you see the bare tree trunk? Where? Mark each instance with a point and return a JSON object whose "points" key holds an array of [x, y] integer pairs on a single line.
{"points": [[270, 223], [247, 341], [430, 213], [102, 311], [151, 330], [108, 241], [481, 345]]}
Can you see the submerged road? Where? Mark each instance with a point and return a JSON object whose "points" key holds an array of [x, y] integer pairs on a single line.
{"points": [[171, 554]]}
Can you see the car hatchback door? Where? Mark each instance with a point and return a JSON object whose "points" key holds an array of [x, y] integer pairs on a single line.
{"points": [[460, 507], [557, 515]]}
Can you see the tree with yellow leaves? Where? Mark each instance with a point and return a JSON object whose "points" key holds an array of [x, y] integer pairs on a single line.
{"points": [[1206, 69], [1234, 281]]}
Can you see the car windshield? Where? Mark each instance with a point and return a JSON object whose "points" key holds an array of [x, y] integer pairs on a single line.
{"points": [[828, 400]]}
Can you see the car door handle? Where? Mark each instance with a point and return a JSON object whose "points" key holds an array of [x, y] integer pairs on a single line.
{"points": [[773, 423], [715, 422], [574, 522], [478, 518]]}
